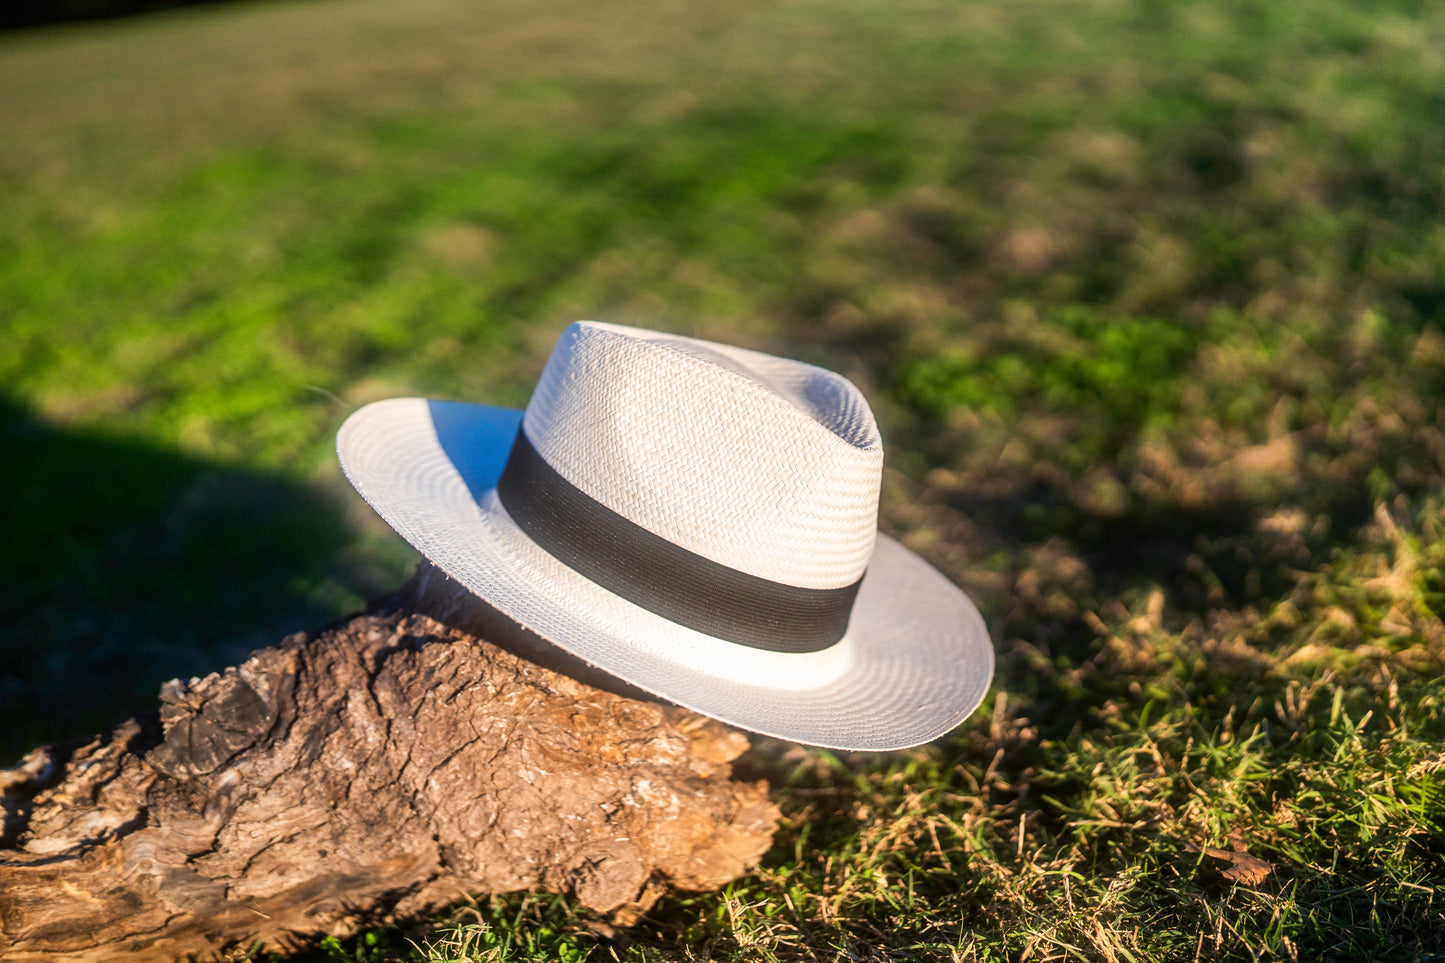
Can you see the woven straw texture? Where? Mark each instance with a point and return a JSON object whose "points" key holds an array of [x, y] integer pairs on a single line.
{"points": [[801, 508], [916, 658]]}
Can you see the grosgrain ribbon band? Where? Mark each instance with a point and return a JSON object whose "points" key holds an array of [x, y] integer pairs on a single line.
{"points": [[661, 576]]}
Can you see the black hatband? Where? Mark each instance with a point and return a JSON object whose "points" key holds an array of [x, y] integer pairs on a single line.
{"points": [[661, 576]]}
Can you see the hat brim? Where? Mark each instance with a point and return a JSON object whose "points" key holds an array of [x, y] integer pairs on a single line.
{"points": [[915, 662]]}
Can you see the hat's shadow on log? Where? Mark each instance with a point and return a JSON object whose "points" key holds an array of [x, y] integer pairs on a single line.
{"points": [[126, 564], [433, 593]]}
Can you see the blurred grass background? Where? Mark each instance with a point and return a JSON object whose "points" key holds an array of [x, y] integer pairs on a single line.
{"points": [[1147, 296]]}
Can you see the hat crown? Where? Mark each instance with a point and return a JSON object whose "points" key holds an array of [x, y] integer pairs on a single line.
{"points": [[764, 465]]}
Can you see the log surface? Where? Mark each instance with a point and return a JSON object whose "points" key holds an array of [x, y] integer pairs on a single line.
{"points": [[365, 774]]}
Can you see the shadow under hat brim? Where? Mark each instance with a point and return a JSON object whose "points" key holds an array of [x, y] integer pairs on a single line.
{"points": [[915, 662]]}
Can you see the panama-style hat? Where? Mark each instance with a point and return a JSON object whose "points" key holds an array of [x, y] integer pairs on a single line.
{"points": [[696, 519]]}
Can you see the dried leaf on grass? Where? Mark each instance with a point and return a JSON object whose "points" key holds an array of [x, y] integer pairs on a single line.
{"points": [[1247, 869]]}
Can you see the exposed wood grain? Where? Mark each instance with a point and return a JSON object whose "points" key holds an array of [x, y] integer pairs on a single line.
{"points": [[367, 773]]}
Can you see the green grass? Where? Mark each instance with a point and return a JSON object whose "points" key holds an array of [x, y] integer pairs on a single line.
{"points": [[1147, 296]]}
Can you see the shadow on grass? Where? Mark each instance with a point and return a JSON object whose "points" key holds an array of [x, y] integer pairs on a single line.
{"points": [[125, 565], [1221, 560], [1203, 557]]}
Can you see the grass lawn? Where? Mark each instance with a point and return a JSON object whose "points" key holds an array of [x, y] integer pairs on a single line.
{"points": [[1148, 298]]}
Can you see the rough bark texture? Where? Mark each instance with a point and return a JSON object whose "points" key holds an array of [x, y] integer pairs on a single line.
{"points": [[367, 773]]}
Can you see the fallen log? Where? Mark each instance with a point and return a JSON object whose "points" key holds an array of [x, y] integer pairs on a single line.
{"points": [[367, 773]]}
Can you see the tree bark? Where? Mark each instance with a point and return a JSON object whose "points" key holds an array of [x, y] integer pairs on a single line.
{"points": [[364, 774]]}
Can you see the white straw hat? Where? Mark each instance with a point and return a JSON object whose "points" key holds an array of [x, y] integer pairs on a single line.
{"points": [[696, 519]]}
